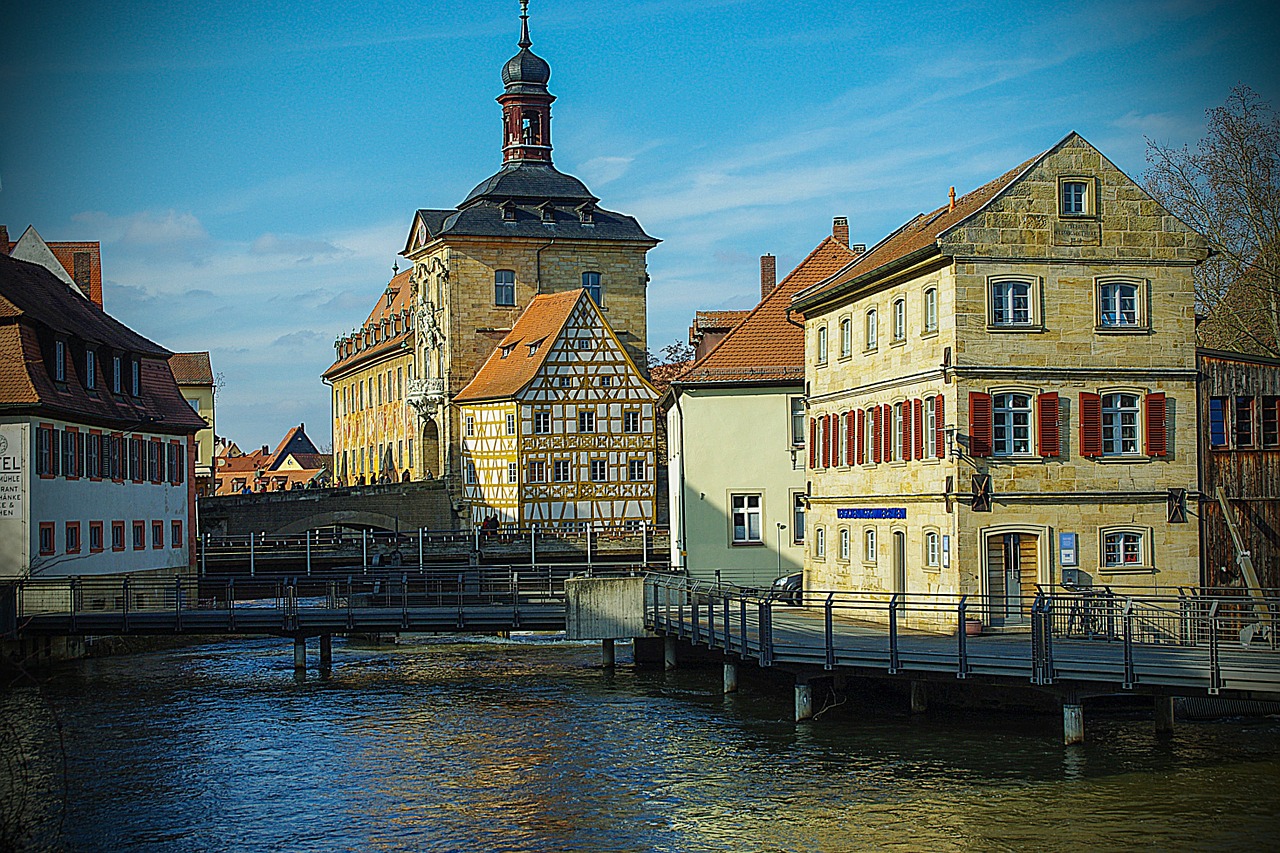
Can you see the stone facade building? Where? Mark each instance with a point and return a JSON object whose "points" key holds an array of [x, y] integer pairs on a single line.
{"points": [[194, 374], [527, 230], [1002, 393]]}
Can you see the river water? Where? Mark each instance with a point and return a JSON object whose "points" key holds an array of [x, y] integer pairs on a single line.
{"points": [[474, 745]]}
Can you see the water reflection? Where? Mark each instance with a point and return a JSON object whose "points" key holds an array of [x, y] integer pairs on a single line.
{"points": [[531, 747]]}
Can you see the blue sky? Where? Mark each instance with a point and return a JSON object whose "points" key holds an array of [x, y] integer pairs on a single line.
{"points": [[251, 168]]}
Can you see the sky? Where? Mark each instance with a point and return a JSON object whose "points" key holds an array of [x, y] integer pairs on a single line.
{"points": [[251, 169]]}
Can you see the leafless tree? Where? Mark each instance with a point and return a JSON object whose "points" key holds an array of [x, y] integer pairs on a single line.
{"points": [[1228, 189]]}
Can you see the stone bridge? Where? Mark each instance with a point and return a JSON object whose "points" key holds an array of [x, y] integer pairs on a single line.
{"points": [[394, 507]]}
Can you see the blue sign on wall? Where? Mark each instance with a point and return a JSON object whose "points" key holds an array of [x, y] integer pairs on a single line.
{"points": [[891, 512]]}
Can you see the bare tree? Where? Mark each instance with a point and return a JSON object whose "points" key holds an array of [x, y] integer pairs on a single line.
{"points": [[1228, 189]]}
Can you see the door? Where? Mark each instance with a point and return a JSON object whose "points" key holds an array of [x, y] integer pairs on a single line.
{"points": [[1012, 573], [899, 561]]}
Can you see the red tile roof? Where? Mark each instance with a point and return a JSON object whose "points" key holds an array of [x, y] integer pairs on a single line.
{"points": [[191, 368], [383, 310], [919, 233], [540, 323], [706, 321], [37, 308], [765, 346]]}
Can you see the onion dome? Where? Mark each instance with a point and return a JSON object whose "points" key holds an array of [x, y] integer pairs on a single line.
{"points": [[525, 68]]}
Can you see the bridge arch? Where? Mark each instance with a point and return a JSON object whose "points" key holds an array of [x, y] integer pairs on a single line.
{"points": [[343, 518]]}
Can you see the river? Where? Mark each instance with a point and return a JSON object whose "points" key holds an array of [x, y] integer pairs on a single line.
{"points": [[447, 745]]}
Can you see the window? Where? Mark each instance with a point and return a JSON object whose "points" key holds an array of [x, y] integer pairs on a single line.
{"points": [[511, 423], [115, 374], [871, 338], [1271, 421], [631, 421], [930, 317], [606, 381], [1244, 421], [537, 472], [157, 535], [95, 537], [504, 287], [797, 421], [584, 343], [844, 543], [513, 472], [175, 534], [1119, 305], [591, 284], [46, 538], [1011, 424], [470, 423], [91, 371], [797, 518], [819, 542], [846, 337], [599, 470], [931, 424], [1123, 549], [932, 549], [541, 421], [899, 320], [586, 421], [822, 344], [566, 381], [1011, 303], [60, 361], [117, 536], [635, 470], [137, 377], [896, 438], [469, 472], [746, 519], [1119, 424], [561, 471], [869, 554], [1076, 196]]}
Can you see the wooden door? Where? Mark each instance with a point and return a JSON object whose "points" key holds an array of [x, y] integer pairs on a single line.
{"points": [[997, 602], [1013, 570]]}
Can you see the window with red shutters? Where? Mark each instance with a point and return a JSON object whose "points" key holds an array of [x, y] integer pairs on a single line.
{"points": [[877, 414], [1048, 441], [826, 441], [833, 426], [1090, 425], [918, 409], [813, 443], [862, 437], [908, 434], [850, 436], [979, 423], [1154, 410], [886, 432], [939, 427]]}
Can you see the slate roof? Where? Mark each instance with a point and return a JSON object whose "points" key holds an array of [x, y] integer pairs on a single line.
{"points": [[191, 368], [295, 442], [765, 347], [540, 323], [917, 235], [35, 308]]}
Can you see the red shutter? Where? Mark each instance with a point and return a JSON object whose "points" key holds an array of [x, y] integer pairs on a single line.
{"points": [[939, 427], [877, 416], [886, 419], [1090, 425], [851, 436], [826, 441], [834, 421], [979, 423], [918, 407], [908, 436], [862, 439], [813, 443], [1048, 442], [1154, 408]]}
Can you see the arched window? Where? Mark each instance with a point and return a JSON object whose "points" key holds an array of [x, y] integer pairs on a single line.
{"points": [[1010, 424], [872, 339], [931, 310], [932, 549], [846, 337], [869, 554], [822, 344], [900, 319]]}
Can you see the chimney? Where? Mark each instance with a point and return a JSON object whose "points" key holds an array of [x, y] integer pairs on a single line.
{"points": [[768, 274], [952, 196], [840, 230], [4, 239]]}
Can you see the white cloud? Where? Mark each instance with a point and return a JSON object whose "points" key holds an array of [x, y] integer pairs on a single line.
{"points": [[146, 228]]}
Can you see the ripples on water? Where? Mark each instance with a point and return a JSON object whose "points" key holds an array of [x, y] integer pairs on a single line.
{"points": [[479, 746]]}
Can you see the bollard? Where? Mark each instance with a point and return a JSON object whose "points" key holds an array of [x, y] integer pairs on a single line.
{"points": [[669, 653], [804, 701], [1072, 724], [730, 678], [606, 653]]}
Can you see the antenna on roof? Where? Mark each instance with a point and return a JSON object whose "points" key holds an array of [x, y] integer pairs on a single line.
{"points": [[524, 24]]}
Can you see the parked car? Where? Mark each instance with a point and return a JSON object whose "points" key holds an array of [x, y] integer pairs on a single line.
{"points": [[788, 589]]}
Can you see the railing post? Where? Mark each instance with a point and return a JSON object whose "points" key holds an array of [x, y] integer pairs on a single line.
{"points": [[644, 543], [962, 640], [830, 632], [1037, 667], [124, 606], [308, 553], [1215, 671], [742, 623], [766, 633], [231, 604], [421, 560], [533, 547], [404, 600], [351, 619], [177, 605], [893, 634], [589, 526], [694, 626], [728, 626], [75, 582], [515, 599], [1129, 676], [461, 581], [251, 565], [204, 551]]}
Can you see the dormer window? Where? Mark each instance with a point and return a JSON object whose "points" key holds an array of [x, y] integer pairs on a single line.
{"points": [[60, 361], [533, 347], [508, 211], [586, 213], [506, 351], [115, 374], [90, 370], [137, 377], [548, 211]]}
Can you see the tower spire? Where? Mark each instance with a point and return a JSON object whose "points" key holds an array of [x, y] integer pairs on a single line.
{"points": [[525, 42]]}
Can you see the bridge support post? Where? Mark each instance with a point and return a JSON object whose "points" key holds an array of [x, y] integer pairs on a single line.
{"points": [[804, 700], [919, 697], [326, 652], [1072, 724], [669, 653], [730, 677], [299, 655], [1164, 715], [606, 653]]}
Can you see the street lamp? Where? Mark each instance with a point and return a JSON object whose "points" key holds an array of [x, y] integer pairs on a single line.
{"points": [[781, 527]]}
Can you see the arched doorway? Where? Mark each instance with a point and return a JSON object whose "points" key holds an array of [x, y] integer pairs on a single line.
{"points": [[431, 466]]}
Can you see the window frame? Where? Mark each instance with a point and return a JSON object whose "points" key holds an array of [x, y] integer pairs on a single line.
{"points": [[631, 470], [45, 544], [846, 337], [799, 514], [899, 320], [502, 288], [820, 357], [870, 330], [819, 542], [513, 473], [594, 286], [1088, 201], [1033, 321], [1138, 426], [929, 312], [598, 470], [537, 471], [631, 421], [1141, 290], [932, 548], [541, 421], [586, 421], [95, 532], [1031, 451], [844, 548], [748, 512], [556, 467], [870, 546], [1244, 435], [1219, 422], [1146, 559]]}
